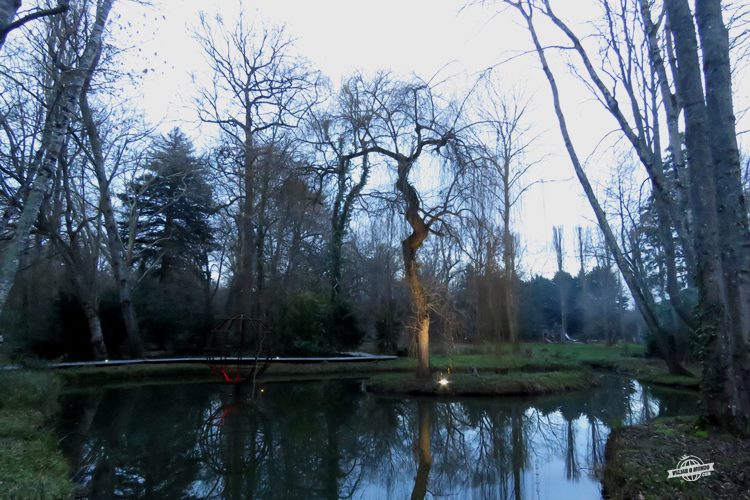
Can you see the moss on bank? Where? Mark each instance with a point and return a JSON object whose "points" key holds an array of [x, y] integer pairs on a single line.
{"points": [[31, 463], [515, 383], [638, 458]]}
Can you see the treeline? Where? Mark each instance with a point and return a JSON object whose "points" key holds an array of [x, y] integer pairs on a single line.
{"points": [[170, 218], [285, 227]]}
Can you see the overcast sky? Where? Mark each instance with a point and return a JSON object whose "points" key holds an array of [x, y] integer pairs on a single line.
{"points": [[407, 37]]}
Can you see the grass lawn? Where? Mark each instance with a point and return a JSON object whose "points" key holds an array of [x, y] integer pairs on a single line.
{"points": [[31, 464]]}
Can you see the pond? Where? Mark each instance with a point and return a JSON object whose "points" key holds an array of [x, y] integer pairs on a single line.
{"points": [[331, 439]]}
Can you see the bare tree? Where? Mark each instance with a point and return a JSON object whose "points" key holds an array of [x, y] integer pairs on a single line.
{"points": [[633, 281], [718, 246], [502, 142], [407, 122], [115, 246], [73, 224], [257, 88], [60, 112], [341, 142]]}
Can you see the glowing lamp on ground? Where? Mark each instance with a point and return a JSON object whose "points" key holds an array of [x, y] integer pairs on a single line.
{"points": [[443, 382]]}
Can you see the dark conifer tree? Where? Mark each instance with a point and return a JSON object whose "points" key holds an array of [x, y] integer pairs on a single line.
{"points": [[174, 209]]}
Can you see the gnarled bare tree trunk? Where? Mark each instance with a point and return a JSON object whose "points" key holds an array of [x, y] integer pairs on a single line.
{"points": [[409, 247]]}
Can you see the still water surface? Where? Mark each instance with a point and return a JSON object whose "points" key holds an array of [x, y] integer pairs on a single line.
{"points": [[330, 439]]}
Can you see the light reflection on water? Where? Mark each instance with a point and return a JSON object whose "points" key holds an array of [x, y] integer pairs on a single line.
{"points": [[329, 439]]}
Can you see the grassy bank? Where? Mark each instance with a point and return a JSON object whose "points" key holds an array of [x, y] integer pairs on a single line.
{"points": [[135, 374], [625, 359], [31, 464], [638, 458], [513, 383]]}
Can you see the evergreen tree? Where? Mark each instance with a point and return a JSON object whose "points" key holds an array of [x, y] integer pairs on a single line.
{"points": [[171, 244], [174, 234]]}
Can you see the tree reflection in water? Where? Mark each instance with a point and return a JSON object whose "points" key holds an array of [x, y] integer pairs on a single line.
{"points": [[329, 439], [232, 444], [423, 450]]}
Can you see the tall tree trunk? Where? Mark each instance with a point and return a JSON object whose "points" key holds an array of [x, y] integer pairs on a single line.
{"points": [[342, 211], [260, 248], [510, 289], [719, 244], [562, 286], [509, 262], [419, 300], [672, 107], [95, 331], [338, 227], [734, 234], [114, 243], [85, 293], [409, 248], [582, 248], [336, 245], [61, 112], [240, 292], [511, 313], [563, 312]]}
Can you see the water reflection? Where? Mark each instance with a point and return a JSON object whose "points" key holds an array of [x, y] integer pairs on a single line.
{"points": [[424, 414], [329, 439]]}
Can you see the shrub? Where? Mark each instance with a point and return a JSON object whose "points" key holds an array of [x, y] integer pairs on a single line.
{"points": [[301, 328], [344, 330]]}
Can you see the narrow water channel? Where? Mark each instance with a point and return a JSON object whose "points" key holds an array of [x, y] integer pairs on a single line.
{"points": [[330, 439]]}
